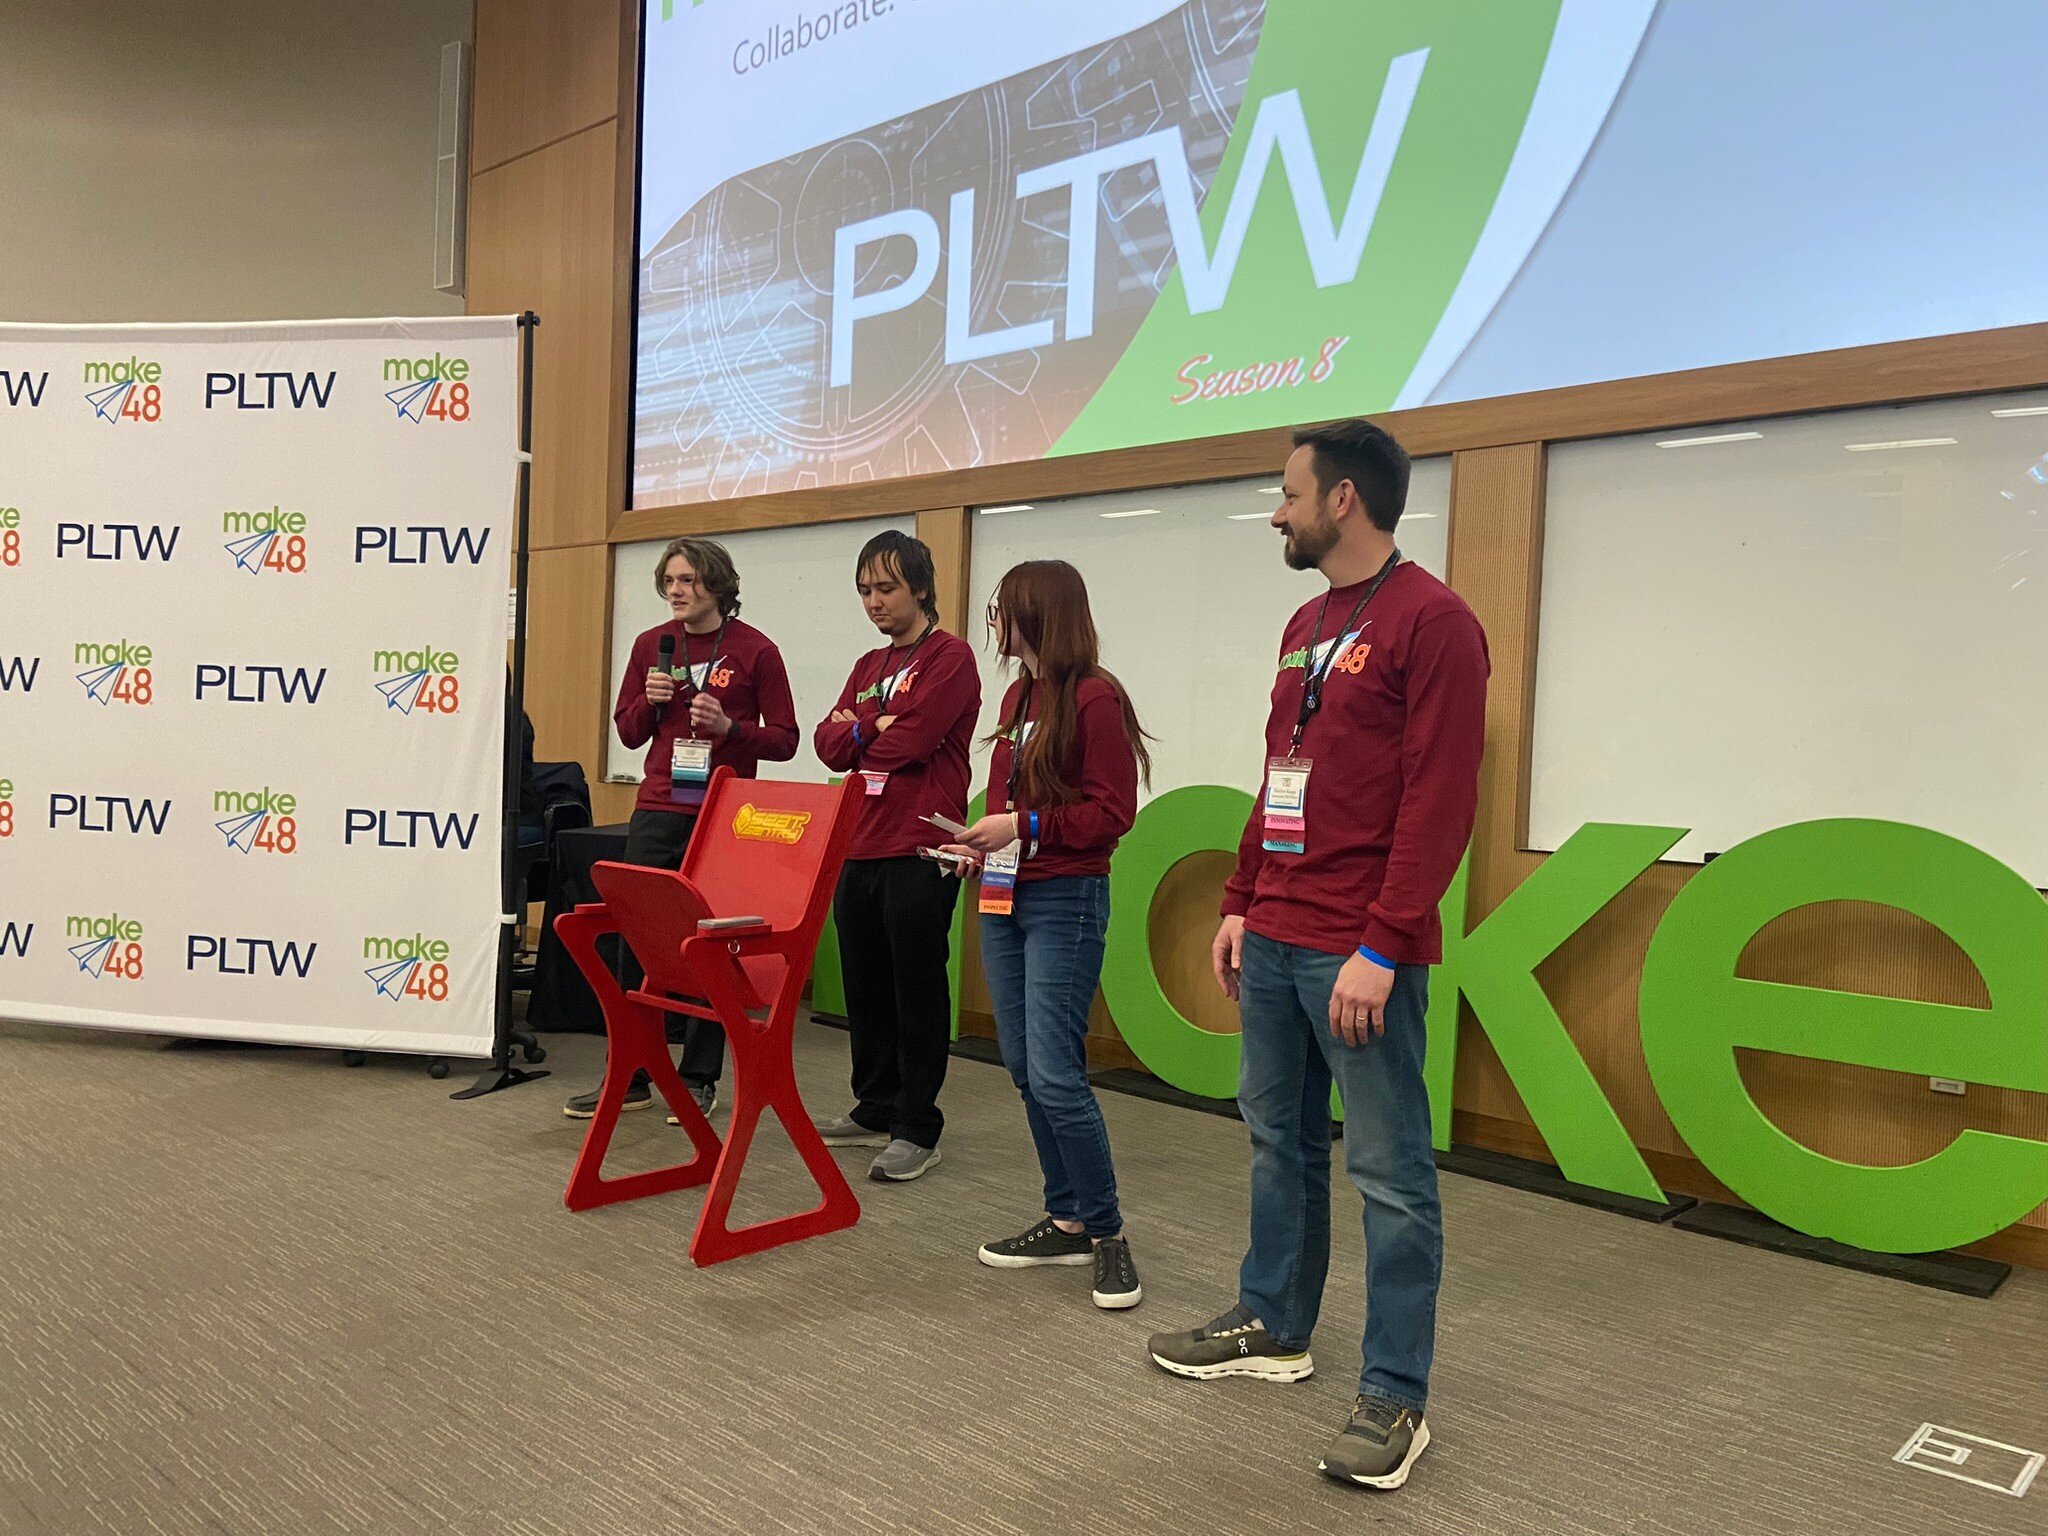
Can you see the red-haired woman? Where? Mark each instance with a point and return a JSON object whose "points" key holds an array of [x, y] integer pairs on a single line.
{"points": [[1062, 789]]}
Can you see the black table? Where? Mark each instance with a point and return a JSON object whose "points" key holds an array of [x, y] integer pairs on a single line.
{"points": [[562, 999]]}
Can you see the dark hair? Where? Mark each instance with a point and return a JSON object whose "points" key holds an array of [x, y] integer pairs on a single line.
{"points": [[1369, 458], [1044, 603], [911, 562], [714, 568]]}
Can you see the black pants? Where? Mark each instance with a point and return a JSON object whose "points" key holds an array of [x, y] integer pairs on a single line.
{"points": [[658, 839], [895, 921]]}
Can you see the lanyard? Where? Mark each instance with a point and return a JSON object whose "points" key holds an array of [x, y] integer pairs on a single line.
{"points": [[1312, 676], [690, 688], [888, 680]]}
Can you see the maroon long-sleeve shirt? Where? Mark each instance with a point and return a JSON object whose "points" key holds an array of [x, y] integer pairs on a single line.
{"points": [[742, 670], [1395, 786], [935, 698], [1074, 839]]}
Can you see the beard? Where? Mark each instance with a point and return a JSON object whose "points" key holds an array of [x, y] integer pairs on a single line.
{"points": [[1305, 547]]}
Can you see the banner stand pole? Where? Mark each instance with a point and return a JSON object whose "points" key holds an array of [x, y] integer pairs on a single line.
{"points": [[501, 1073]]}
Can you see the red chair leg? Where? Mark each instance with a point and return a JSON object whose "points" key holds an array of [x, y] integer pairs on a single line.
{"points": [[635, 1041], [764, 1078]]}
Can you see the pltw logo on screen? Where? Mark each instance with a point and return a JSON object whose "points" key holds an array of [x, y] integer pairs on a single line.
{"points": [[117, 672], [273, 541], [428, 389], [257, 820], [125, 390], [106, 946], [1279, 129], [424, 680], [409, 968]]}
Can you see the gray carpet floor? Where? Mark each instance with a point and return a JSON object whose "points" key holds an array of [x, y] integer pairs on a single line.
{"points": [[248, 1291]]}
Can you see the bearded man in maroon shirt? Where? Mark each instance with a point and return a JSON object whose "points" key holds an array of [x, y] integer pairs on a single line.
{"points": [[1329, 929]]}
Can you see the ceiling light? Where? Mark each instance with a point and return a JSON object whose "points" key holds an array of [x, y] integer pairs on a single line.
{"points": [[1718, 437], [1271, 490], [1022, 506], [1246, 517], [1904, 442], [1136, 512], [2023, 410]]}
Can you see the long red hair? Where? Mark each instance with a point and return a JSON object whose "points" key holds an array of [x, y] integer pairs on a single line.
{"points": [[1044, 604]]}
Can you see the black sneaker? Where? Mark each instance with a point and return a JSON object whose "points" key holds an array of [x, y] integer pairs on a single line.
{"points": [[1235, 1344], [706, 1095], [1378, 1446], [1116, 1276], [1043, 1244], [584, 1105]]}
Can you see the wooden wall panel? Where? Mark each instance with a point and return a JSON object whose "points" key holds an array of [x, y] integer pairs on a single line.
{"points": [[565, 673], [541, 237], [544, 69]]}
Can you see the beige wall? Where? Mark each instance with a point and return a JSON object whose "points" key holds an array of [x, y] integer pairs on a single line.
{"points": [[220, 159]]}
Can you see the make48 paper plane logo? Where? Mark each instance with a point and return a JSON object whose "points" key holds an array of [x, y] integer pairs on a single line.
{"points": [[106, 946], [257, 820], [425, 680], [272, 541], [6, 808], [125, 390], [428, 389], [10, 538], [116, 672], [409, 968]]}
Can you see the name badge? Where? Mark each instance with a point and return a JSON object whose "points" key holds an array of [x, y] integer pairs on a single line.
{"points": [[691, 762], [1282, 814], [999, 880], [876, 782]]}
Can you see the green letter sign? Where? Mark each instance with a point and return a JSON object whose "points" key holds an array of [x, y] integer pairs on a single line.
{"points": [[1696, 1013]]}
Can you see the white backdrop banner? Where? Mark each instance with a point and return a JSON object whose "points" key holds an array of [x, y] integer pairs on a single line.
{"points": [[252, 677]]}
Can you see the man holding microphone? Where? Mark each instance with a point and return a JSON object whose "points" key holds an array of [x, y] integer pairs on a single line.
{"points": [[702, 691], [1330, 925]]}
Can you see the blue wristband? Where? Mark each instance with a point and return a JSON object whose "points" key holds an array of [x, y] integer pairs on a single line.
{"points": [[856, 736], [1377, 958], [1034, 832]]}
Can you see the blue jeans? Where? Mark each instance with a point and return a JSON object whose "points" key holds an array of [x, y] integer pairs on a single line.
{"points": [[1290, 1057], [1042, 963]]}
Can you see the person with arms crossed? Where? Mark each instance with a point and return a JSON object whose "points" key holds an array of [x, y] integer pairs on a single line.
{"points": [[904, 723], [1062, 789], [1329, 929], [702, 691]]}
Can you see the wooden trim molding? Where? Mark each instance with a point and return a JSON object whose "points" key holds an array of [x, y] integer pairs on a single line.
{"points": [[1977, 362]]}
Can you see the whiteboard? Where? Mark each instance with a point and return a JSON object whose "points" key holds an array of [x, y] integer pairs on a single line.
{"points": [[1836, 615], [1189, 600], [796, 587]]}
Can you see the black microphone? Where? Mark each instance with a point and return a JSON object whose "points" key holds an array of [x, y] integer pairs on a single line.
{"points": [[668, 662]]}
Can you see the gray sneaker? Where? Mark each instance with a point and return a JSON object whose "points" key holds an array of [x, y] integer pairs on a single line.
{"points": [[1378, 1446], [901, 1161], [584, 1105], [706, 1095], [845, 1131], [1235, 1344]]}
